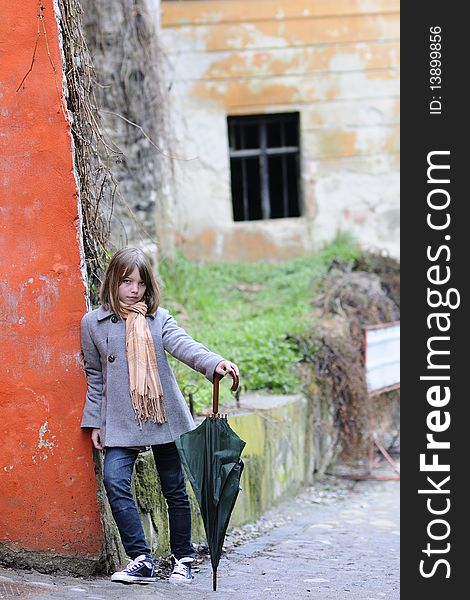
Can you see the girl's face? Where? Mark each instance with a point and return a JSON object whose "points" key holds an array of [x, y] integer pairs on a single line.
{"points": [[132, 288]]}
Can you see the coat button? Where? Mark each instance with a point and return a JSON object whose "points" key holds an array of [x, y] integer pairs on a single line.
{"points": [[111, 358], [114, 319]]}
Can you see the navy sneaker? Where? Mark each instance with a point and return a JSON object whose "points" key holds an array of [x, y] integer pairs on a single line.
{"points": [[139, 570], [181, 572]]}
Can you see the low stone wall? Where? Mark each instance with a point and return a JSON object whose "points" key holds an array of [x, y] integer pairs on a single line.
{"points": [[277, 431], [277, 458]]}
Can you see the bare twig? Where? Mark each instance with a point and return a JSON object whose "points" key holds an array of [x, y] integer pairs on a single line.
{"points": [[41, 18], [40, 9], [141, 129]]}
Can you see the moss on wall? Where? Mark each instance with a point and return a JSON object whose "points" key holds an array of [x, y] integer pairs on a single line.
{"points": [[151, 504]]}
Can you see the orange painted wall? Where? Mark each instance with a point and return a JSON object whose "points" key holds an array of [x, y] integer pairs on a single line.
{"points": [[48, 499]]}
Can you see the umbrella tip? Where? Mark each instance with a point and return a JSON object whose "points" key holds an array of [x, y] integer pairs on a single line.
{"points": [[214, 580]]}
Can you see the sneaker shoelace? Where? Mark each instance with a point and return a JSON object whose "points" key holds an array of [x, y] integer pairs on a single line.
{"points": [[134, 564], [181, 567]]}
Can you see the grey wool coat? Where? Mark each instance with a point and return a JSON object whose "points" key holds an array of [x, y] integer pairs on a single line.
{"points": [[108, 404]]}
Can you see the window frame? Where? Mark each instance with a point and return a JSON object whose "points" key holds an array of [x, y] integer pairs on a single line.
{"points": [[263, 152]]}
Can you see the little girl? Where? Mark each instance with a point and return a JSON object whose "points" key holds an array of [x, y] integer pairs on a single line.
{"points": [[133, 401]]}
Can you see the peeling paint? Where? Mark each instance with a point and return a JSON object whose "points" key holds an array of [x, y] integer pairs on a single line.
{"points": [[200, 11], [42, 442], [41, 352], [285, 33], [48, 298], [9, 306], [48, 444], [60, 269], [70, 360]]}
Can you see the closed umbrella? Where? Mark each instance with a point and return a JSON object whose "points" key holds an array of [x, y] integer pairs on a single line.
{"points": [[211, 457]]}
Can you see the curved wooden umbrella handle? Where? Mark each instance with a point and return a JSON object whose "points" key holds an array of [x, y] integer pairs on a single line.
{"points": [[215, 391]]}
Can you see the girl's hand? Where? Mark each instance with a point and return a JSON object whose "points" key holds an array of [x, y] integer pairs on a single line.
{"points": [[96, 438], [226, 366]]}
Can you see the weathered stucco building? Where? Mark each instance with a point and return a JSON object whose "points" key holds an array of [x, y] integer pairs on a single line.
{"points": [[285, 122]]}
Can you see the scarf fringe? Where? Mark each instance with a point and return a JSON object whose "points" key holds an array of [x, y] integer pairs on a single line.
{"points": [[148, 409]]}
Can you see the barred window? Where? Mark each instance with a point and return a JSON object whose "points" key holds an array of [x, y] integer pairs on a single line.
{"points": [[264, 165]]}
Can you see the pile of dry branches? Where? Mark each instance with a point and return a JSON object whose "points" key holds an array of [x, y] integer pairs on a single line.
{"points": [[348, 300]]}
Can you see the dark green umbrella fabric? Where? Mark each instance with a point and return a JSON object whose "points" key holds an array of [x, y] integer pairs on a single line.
{"points": [[211, 457]]}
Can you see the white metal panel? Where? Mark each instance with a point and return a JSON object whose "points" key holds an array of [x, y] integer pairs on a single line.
{"points": [[382, 356]]}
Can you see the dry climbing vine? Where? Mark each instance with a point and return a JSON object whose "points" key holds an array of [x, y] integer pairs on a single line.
{"points": [[116, 108], [93, 151], [122, 39]]}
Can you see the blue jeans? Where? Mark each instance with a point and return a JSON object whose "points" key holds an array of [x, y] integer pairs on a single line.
{"points": [[118, 466]]}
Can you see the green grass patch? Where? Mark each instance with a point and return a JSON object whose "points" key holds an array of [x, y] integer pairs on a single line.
{"points": [[244, 312]]}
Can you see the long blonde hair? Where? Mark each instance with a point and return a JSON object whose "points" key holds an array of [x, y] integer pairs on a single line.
{"points": [[121, 266]]}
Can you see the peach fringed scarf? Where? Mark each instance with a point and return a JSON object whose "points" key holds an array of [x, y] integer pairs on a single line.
{"points": [[144, 382]]}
